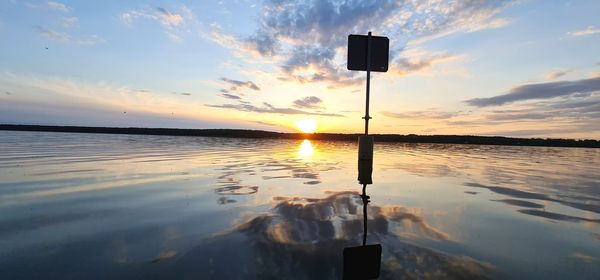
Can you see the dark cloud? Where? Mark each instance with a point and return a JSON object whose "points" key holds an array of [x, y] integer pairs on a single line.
{"points": [[310, 102], [310, 34], [573, 113], [235, 84], [519, 116], [163, 11], [262, 43], [268, 108], [229, 96], [540, 91], [183, 93]]}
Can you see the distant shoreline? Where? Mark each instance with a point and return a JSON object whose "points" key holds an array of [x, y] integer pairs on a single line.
{"points": [[242, 133]]}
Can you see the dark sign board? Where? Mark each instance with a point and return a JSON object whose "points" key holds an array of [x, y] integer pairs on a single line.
{"points": [[363, 262], [357, 53]]}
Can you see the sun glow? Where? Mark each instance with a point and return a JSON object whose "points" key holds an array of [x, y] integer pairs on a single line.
{"points": [[306, 125], [306, 149]]}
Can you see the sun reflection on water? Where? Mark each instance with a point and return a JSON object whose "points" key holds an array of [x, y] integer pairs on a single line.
{"points": [[306, 150]]}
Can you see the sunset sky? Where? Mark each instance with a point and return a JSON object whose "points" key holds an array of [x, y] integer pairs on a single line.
{"points": [[513, 68]]}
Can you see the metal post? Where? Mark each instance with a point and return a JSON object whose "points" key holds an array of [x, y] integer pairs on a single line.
{"points": [[365, 199], [364, 196], [367, 117]]}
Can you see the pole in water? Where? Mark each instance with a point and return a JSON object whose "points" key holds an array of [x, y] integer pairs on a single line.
{"points": [[365, 199], [366, 147], [364, 262]]}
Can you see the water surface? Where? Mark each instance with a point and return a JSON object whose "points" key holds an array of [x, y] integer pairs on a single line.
{"points": [[98, 206]]}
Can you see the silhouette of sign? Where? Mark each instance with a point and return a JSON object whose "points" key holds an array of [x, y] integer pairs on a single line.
{"points": [[357, 53], [363, 262]]}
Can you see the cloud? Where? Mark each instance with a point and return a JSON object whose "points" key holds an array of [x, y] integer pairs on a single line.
{"points": [[173, 37], [590, 30], [575, 115], [66, 38], [168, 18], [310, 36], [59, 101], [539, 91], [556, 74], [90, 40], [55, 35], [70, 21], [229, 96], [161, 15], [421, 115], [58, 6], [310, 102], [419, 61], [236, 84], [268, 108]]}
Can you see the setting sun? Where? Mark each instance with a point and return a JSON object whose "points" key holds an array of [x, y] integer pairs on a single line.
{"points": [[306, 125]]}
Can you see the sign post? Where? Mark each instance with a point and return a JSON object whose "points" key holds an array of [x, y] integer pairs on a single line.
{"points": [[365, 53], [367, 117]]}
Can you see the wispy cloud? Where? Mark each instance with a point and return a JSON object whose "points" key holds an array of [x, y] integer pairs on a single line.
{"points": [[168, 18], [66, 38], [66, 101], [58, 6], [309, 102], [539, 91], [415, 61], [159, 14], [229, 96], [70, 22], [590, 30], [429, 114], [55, 35], [170, 21], [268, 108], [234, 85], [183, 93], [556, 74]]}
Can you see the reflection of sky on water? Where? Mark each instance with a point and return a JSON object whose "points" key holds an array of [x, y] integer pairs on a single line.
{"points": [[134, 206]]}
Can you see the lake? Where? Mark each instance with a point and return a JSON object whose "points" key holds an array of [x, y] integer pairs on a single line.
{"points": [[100, 206]]}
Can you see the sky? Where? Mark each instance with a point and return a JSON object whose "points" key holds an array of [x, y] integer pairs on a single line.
{"points": [[511, 68]]}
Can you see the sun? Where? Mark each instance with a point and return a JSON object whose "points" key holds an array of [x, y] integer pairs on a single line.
{"points": [[306, 125]]}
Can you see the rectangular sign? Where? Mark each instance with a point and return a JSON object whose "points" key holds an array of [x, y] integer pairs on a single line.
{"points": [[357, 53]]}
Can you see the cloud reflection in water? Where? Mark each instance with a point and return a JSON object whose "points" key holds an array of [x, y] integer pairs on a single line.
{"points": [[305, 238]]}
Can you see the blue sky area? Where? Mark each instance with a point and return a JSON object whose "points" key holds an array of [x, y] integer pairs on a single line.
{"points": [[513, 68]]}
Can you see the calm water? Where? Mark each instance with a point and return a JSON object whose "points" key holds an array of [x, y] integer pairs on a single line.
{"points": [[85, 206]]}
